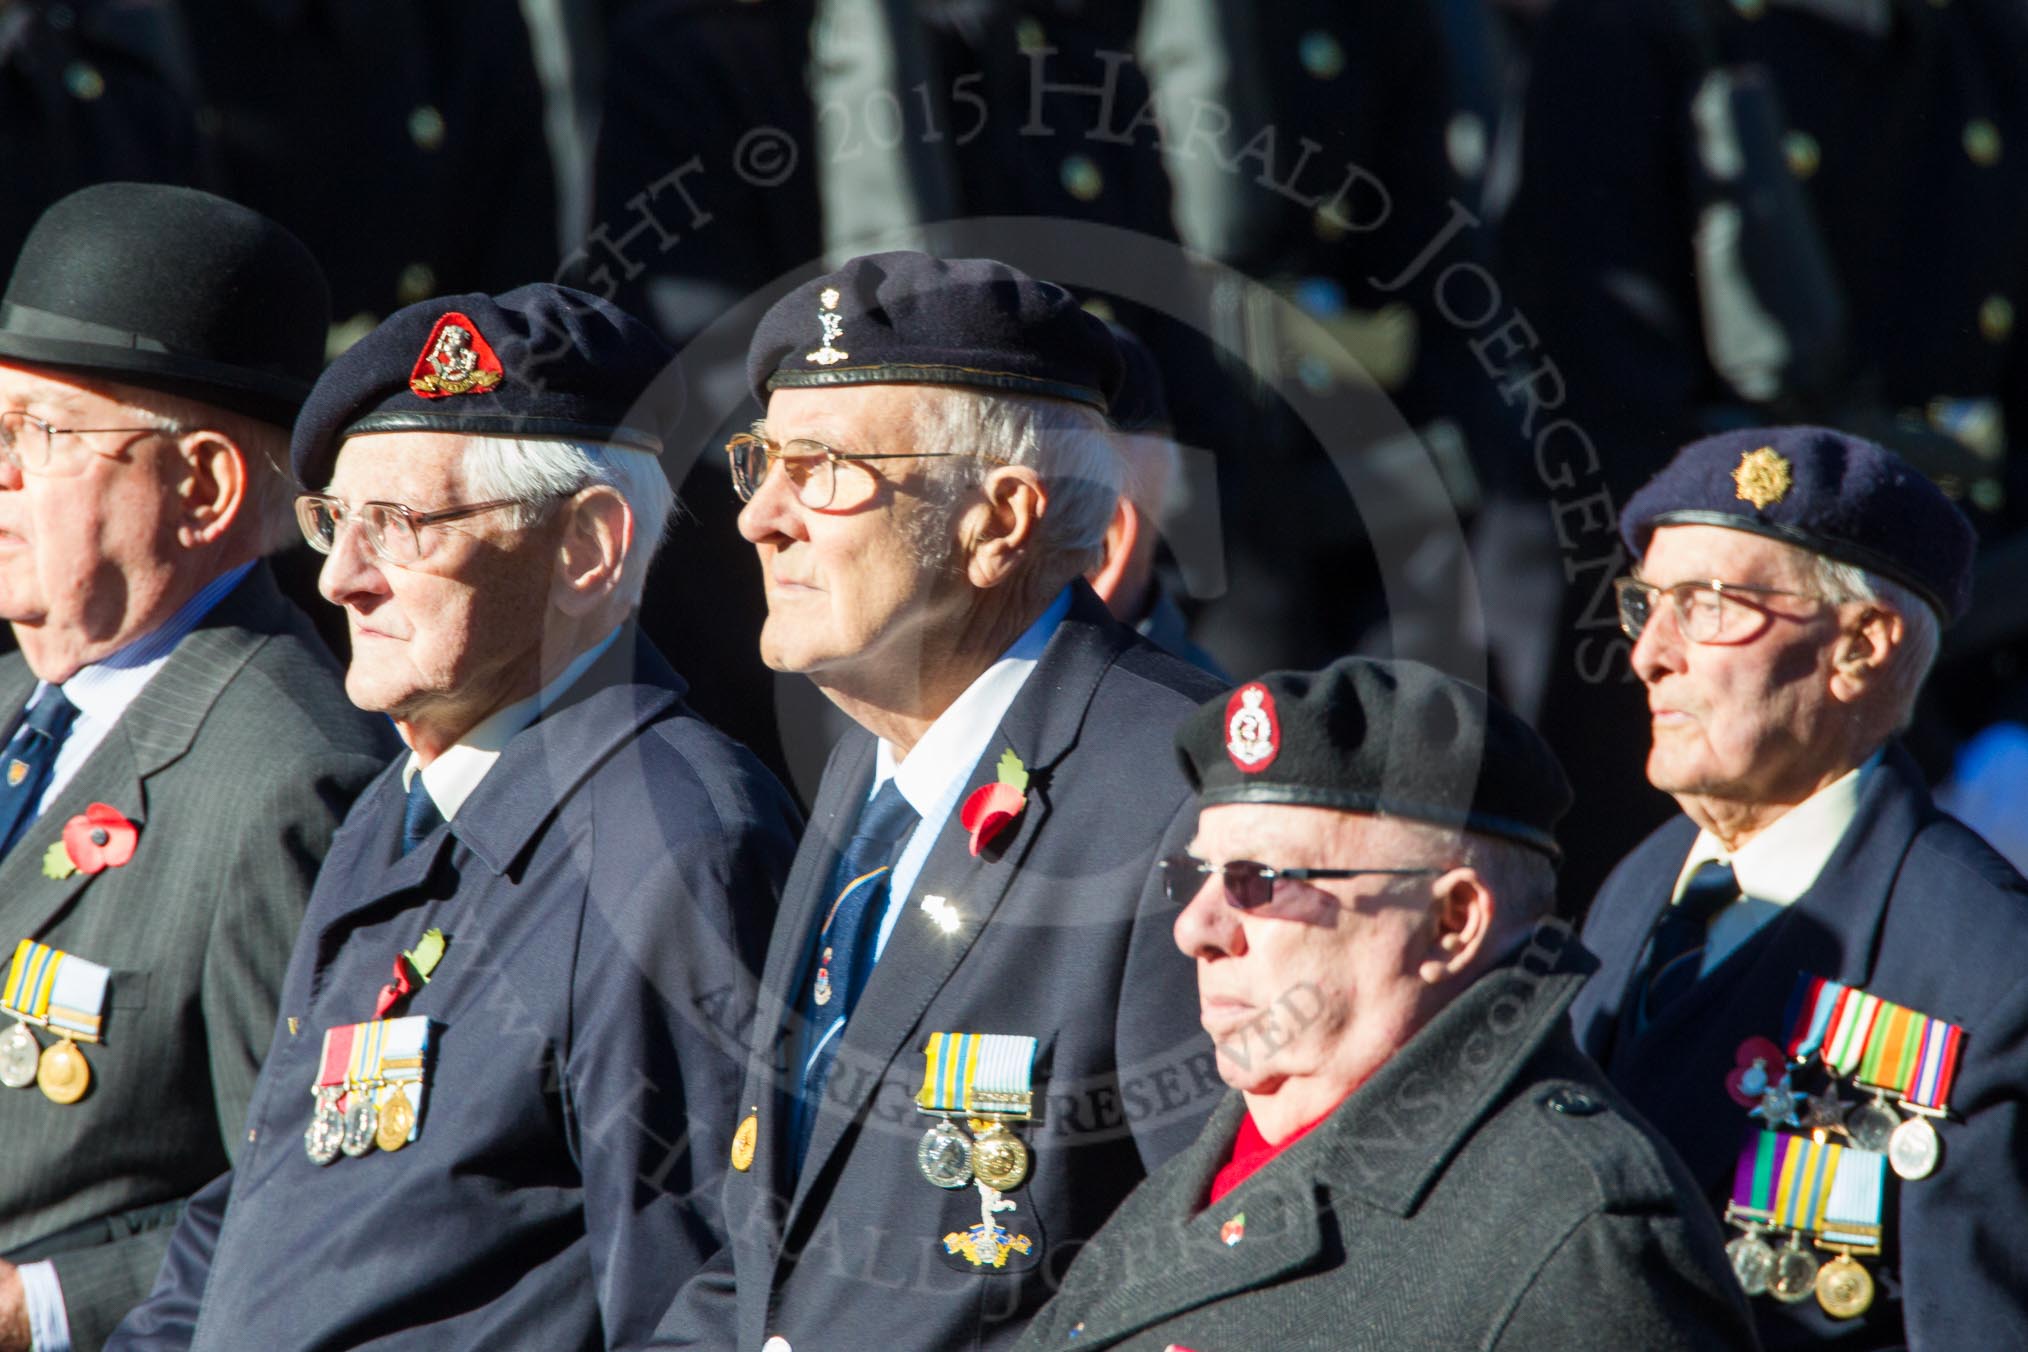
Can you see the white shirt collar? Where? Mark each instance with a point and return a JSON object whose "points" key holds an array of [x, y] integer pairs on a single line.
{"points": [[453, 776], [1783, 861]]}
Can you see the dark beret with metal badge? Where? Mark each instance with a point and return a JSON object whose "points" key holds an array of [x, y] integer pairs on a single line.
{"points": [[1387, 737], [171, 289], [1822, 490], [540, 361], [906, 318]]}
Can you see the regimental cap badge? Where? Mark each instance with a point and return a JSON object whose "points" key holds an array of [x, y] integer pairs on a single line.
{"points": [[834, 329], [1253, 732], [1763, 477], [456, 359]]}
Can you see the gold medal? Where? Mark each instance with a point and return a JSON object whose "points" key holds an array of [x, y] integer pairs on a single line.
{"points": [[744, 1140], [397, 1120], [63, 1076], [1844, 1288], [999, 1159]]}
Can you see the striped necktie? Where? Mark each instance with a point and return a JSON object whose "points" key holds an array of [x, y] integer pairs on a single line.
{"points": [[846, 944], [1677, 949], [26, 765]]}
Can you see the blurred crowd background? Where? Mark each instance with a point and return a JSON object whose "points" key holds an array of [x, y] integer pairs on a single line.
{"points": [[1462, 272]]}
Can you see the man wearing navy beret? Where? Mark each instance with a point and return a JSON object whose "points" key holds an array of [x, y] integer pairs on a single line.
{"points": [[1416, 1154], [1812, 981], [500, 1097], [974, 1036], [175, 752]]}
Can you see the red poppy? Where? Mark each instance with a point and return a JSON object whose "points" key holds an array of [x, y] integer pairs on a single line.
{"points": [[99, 838], [989, 811]]}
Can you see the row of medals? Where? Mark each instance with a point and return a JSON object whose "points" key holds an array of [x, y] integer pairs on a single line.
{"points": [[991, 1153], [1792, 1273], [359, 1128], [59, 1070]]}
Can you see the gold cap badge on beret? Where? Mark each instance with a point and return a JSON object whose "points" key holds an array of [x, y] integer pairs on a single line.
{"points": [[457, 359], [834, 328], [1763, 477]]}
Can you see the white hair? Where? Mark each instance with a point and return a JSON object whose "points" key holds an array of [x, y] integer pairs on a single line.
{"points": [[1922, 628], [536, 474], [1148, 464], [1522, 877], [1067, 444], [270, 512]]}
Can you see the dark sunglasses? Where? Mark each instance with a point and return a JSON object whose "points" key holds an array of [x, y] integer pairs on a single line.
{"points": [[1250, 886]]}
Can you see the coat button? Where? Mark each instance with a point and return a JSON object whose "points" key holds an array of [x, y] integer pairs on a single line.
{"points": [[1573, 1102], [777, 1344]]}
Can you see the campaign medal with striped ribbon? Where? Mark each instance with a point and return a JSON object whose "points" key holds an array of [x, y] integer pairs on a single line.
{"points": [[64, 993], [1888, 1049], [404, 1049], [369, 1089], [986, 1078], [326, 1132], [1810, 1189], [362, 1077]]}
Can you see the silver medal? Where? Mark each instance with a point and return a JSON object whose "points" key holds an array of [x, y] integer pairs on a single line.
{"points": [[945, 1156], [1871, 1125], [1753, 1262], [1795, 1273], [362, 1120], [326, 1132], [20, 1055], [1913, 1149]]}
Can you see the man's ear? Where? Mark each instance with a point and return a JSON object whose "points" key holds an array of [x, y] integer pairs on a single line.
{"points": [[213, 484], [999, 530], [598, 530], [1866, 643], [1123, 532], [1463, 912]]}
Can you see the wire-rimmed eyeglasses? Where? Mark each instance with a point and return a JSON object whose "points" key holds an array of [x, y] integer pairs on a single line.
{"points": [[30, 442], [1706, 612], [812, 467], [1250, 886], [393, 530]]}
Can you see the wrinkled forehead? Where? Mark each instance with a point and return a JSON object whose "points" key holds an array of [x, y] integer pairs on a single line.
{"points": [[1700, 553], [417, 467], [44, 390], [1277, 833], [845, 416]]}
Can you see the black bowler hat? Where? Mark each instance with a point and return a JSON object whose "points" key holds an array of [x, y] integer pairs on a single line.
{"points": [[541, 361], [906, 318], [172, 289], [1822, 490], [1382, 737]]}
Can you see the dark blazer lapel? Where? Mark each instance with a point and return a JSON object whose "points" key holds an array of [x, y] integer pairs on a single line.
{"points": [[1041, 726]]}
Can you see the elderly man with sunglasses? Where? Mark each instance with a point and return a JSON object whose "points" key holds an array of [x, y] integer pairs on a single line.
{"points": [[175, 751], [1416, 1154], [973, 1036], [501, 1096], [1812, 980]]}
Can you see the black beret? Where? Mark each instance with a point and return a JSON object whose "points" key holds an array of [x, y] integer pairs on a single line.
{"points": [[541, 361], [171, 289], [1384, 737], [1142, 402], [1822, 490], [909, 319]]}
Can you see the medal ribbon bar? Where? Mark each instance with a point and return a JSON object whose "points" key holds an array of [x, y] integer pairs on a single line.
{"points": [[978, 1073], [1754, 1177], [54, 989], [1804, 1183], [1851, 1218], [29, 979], [337, 1057]]}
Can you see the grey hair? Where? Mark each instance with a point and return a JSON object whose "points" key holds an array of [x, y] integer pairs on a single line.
{"points": [[1521, 877], [1922, 627], [1068, 445], [263, 447], [537, 473], [1148, 464]]}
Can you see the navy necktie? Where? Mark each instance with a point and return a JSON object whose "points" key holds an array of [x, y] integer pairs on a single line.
{"points": [[1677, 949], [29, 758], [419, 816], [846, 943]]}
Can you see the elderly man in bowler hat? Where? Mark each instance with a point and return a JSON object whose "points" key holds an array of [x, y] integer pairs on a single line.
{"points": [[175, 752], [971, 1040], [1417, 1155], [1815, 974], [502, 1094]]}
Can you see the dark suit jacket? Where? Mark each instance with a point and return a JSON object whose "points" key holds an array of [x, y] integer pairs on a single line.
{"points": [[1918, 910], [237, 761], [1485, 1189], [602, 890], [1065, 936]]}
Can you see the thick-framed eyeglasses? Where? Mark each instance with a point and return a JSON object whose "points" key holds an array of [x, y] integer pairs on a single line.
{"points": [[1706, 612], [1251, 886], [812, 468], [393, 531], [30, 442]]}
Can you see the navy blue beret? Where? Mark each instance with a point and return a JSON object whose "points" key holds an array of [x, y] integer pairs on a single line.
{"points": [[541, 361], [1822, 490], [1378, 736], [1142, 402], [909, 319]]}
